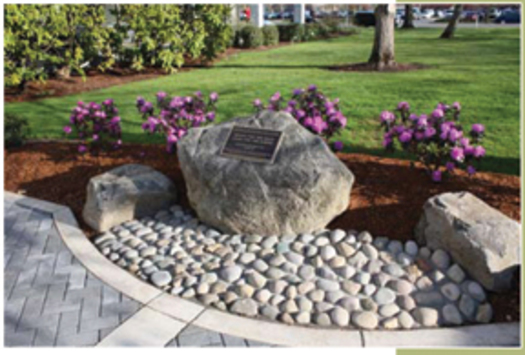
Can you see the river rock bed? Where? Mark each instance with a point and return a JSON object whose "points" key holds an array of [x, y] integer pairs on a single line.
{"points": [[328, 278]]}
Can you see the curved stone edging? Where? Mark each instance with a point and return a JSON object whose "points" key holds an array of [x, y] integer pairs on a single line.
{"points": [[503, 334]]}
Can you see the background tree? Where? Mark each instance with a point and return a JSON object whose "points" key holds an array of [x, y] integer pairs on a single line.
{"points": [[451, 27], [382, 56], [409, 17]]}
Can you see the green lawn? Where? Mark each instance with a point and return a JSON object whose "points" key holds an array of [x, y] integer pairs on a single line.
{"points": [[479, 68]]}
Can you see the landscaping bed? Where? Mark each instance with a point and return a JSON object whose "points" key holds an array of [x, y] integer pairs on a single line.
{"points": [[386, 200]]}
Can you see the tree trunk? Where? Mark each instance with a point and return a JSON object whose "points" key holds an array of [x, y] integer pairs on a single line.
{"points": [[383, 51], [451, 27], [409, 17]]}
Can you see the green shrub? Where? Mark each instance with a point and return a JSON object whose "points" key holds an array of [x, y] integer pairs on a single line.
{"points": [[332, 25], [311, 31], [270, 35], [16, 130], [251, 37], [291, 33]]}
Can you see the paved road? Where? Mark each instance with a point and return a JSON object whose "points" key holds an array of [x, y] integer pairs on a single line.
{"points": [[432, 24], [50, 299]]}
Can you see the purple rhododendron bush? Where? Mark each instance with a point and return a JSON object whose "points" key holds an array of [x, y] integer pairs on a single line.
{"points": [[313, 110], [96, 126], [436, 140], [176, 115]]}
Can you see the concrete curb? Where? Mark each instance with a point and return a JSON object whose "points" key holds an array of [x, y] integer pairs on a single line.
{"points": [[188, 312]]}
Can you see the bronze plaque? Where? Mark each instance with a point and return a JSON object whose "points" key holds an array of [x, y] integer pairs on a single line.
{"points": [[254, 144]]}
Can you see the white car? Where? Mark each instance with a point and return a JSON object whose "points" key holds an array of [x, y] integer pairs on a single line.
{"points": [[427, 14]]}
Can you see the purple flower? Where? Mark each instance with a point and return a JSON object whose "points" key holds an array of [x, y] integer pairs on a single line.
{"points": [[210, 116], [338, 146], [188, 99], [300, 114], [214, 96], [80, 104], [450, 166], [161, 95], [454, 135], [297, 92], [95, 137], [457, 154], [456, 105], [275, 97], [387, 116], [107, 102], [471, 170], [405, 137], [436, 175], [478, 128], [413, 117], [82, 149], [198, 94], [419, 136], [438, 113], [422, 122], [479, 152], [115, 120], [292, 103], [442, 107], [430, 132], [257, 103], [318, 125], [465, 142], [67, 129], [387, 142], [312, 88], [403, 106], [468, 150]]}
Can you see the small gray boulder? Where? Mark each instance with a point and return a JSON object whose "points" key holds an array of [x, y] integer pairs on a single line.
{"points": [[124, 193], [481, 239]]}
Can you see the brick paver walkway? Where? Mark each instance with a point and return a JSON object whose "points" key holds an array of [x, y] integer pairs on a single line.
{"points": [[50, 299]]}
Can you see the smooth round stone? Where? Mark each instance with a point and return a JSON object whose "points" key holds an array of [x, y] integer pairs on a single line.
{"points": [[275, 273], [334, 296], [389, 310], [277, 260], [362, 277], [189, 293], [411, 248], [190, 280], [369, 289], [160, 278], [484, 314], [404, 259], [365, 237], [219, 287], [254, 238], [317, 261], [337, 262], [277, 286], [277, 300], [321, 241], [337, 235], [436, 276], [270, 312], [256, 279], [380, 242], [306, 238], [402, 287], [283, 248], [289, 238], [374, 266], [405, 320], [114, 257], [381, 279], [291, 292], [349, 303], [149, 251], [316, 295], [368, 304], [323, 319], [327, 252], [451, 291], [231, 273], [351, 287], [384, 296], [467, 306], [289, 306], [245, 306], [432, 298], [456, 273], [390, 323], [304, 287], [451, 315], [297, 247], [269, 242], [346, 271], [441, 259], [424, 283], [246, 258], [302, 318], [427, 317], [326, 273], [304, 304], [327, 285], [345, 249], [358, 260], [289, 268], [208, 299], [476, 291], [307, 272], [370, 251], [260, 265], [340, 316], [395, 247], [294, 258], [394, 270], [365, 320], [310, 251], [263, 295], [203, 289]]}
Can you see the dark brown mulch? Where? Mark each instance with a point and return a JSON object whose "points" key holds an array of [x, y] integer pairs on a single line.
{"points": [[387, 197], [366, 67]]}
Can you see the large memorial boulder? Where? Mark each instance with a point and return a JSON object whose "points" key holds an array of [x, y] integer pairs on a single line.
{"points": [[480, 238], [304, 188], [124, 193]]}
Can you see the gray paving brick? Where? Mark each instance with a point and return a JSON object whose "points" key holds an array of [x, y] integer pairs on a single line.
{"points": [[19, 339], [80, 339], [98, 323], [230, 340], [69, 323], [201, 338]]}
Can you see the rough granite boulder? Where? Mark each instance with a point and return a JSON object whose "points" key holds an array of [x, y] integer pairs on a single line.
{"points": [[300, 192], [124, 193], [480, 238]]}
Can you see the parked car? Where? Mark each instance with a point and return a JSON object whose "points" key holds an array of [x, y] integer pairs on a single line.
{"points": [[367, 19], [494, 13], [427, 14], [509, 17], [448, 14]]}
